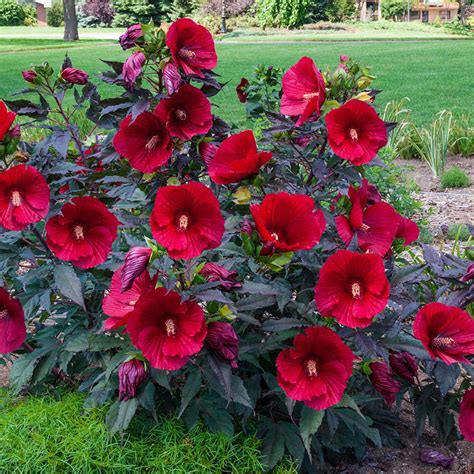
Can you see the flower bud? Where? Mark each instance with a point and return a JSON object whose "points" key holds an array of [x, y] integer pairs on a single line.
{"points": [[207, 151], [15, 132], [131, 37], [469, 273], [74, 76], [343, 58], [404, 365], [132, 68], [131, 375], [247, 227], [214, 272], [223, 341], [241, 90], [268, 249], [171, 78], [135, 264], [29, 76], [383, 381], [242, 195], [435, 458]]}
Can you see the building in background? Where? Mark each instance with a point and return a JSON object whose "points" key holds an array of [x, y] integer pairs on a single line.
{"points": [[41, 6]]}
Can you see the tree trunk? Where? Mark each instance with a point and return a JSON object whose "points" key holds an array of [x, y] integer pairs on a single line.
{"points": [[70, 21], [363, 10], [379, 10]]}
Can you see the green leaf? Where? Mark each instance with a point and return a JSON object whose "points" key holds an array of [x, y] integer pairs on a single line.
{"points": [[310, 421], [348, 402], [78, 343], [22, 371], [190, 389], [68, 284], [120, 415], [273, 447], [216, 416]]}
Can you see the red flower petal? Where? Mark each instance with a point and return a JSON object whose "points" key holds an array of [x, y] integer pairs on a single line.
{"points": [[12, 323], [6, 120], [466, 415]]}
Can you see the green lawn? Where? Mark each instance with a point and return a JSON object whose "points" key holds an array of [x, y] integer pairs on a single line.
{"points": [[434, 75]]}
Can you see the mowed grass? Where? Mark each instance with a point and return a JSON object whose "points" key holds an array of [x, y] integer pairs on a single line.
{"points": [[434, 75], [45, 435]]}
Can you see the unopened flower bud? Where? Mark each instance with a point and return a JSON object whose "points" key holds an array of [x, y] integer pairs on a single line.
{"points": [[241, 90], [247, 227], [404, 365], [135, 264], [29, 76], [171, 78], [132, 68], [223, 341], [207, 151], [131, 375], [469, 274], [131, 37], [214, 272], [74, 76], [383, 381]]}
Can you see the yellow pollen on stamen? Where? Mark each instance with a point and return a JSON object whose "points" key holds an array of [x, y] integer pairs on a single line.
{"points": [[310, 96], [355, 290], [183, 222], [186, 53], [170, 327], [364, 227], [16, 199], [312, 368], [132, 303], [274, 236], [443, 342], [353, 134], [3, 314], [181, 114], [153, 142], [79, 232]]}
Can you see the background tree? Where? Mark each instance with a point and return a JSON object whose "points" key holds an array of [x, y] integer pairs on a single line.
{"points": [[71, 32]]}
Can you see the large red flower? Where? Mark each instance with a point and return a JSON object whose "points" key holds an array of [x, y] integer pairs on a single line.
{"points": [[167, 330], [118, 304], [316, 369], [191, 46], [375, 225], [446, 332], [12, 323], [24, 197], [237, 158], [303, 90], [83, 233], [145, 142], [352, 288], [186, 113], [187, 220], [407, 230], [6, 120], [466, 415], [289, 222], [355, 132]]}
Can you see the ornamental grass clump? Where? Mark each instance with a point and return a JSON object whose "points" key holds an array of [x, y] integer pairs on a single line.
{"points": [[172, 264]]}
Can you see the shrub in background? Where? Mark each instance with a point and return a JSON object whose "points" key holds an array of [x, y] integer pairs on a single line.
{"points": [[455, 178], [55, 15], [263, 288], [129, 12], [232, 7], [12, 13], [282, 13], [30, 16], [462, 137], [393, 8], [97, 13]]}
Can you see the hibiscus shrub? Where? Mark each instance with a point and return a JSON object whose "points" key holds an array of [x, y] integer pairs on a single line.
{"points": [[168, 263]]}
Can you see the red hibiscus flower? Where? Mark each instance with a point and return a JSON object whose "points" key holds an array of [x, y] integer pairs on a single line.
{"points": [[6, 120], [407, 230], [118, 304], [446, 332], [288, 221], [12, 323], [466, 415], [186, 113], [303, 91], [375, 225], [24, 197], [355, 132], [167, 330], [187, 220], [145, 142], [383, 381], [237, 158], [316, 369], [83, 233], [352, 288], [241, 90], [191, 46]]}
